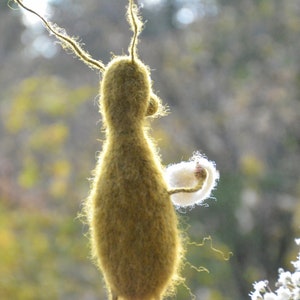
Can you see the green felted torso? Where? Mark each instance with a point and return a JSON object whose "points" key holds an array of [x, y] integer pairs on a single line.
{"points": [[136, 226]]}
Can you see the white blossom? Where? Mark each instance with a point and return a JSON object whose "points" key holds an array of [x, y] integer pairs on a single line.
{"points": [[270, 296], [296, 279], [296, 293], [260, 286], [284, 277], [297, 263], [288, 284], [283, 293], [256, 295]]}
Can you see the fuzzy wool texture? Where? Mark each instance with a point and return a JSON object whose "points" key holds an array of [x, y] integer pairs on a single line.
{"points": [[183, 174], [134, 227]]}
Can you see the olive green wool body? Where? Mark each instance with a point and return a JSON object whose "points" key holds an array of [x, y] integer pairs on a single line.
{"points": [[134, 228]]}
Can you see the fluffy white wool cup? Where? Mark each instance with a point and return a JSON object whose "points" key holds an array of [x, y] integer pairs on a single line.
{"points": [[183, 175]]}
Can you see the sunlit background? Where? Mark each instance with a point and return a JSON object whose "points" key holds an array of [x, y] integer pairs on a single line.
{"points": [[40, 7], [230, 73]]}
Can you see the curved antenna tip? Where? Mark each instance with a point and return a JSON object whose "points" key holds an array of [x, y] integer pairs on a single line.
{"points": [[136, 25]]}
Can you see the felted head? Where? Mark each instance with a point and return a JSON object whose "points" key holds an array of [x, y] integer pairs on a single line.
{"points": [[125, 92]]}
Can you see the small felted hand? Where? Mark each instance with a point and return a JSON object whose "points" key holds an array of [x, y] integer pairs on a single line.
{"points": [[191, 182]]}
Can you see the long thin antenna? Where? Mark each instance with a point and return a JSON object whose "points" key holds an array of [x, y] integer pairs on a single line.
{"points": [[67, 41], [136, 26]]}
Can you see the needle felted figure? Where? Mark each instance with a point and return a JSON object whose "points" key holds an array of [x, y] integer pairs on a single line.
{"points": [[133, 225]]}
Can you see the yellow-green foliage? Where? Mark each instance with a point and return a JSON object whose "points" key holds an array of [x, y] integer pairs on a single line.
{"points": [[133, 223]]}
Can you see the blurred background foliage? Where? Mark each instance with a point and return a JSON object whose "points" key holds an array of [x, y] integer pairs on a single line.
{"points": [[230, 72]]}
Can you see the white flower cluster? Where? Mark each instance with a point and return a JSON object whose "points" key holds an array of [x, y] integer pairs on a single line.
{"points": [[288, 285]]}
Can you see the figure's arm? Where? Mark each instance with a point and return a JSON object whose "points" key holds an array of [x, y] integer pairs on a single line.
{"points": [[191, 182], [200, 174]]}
